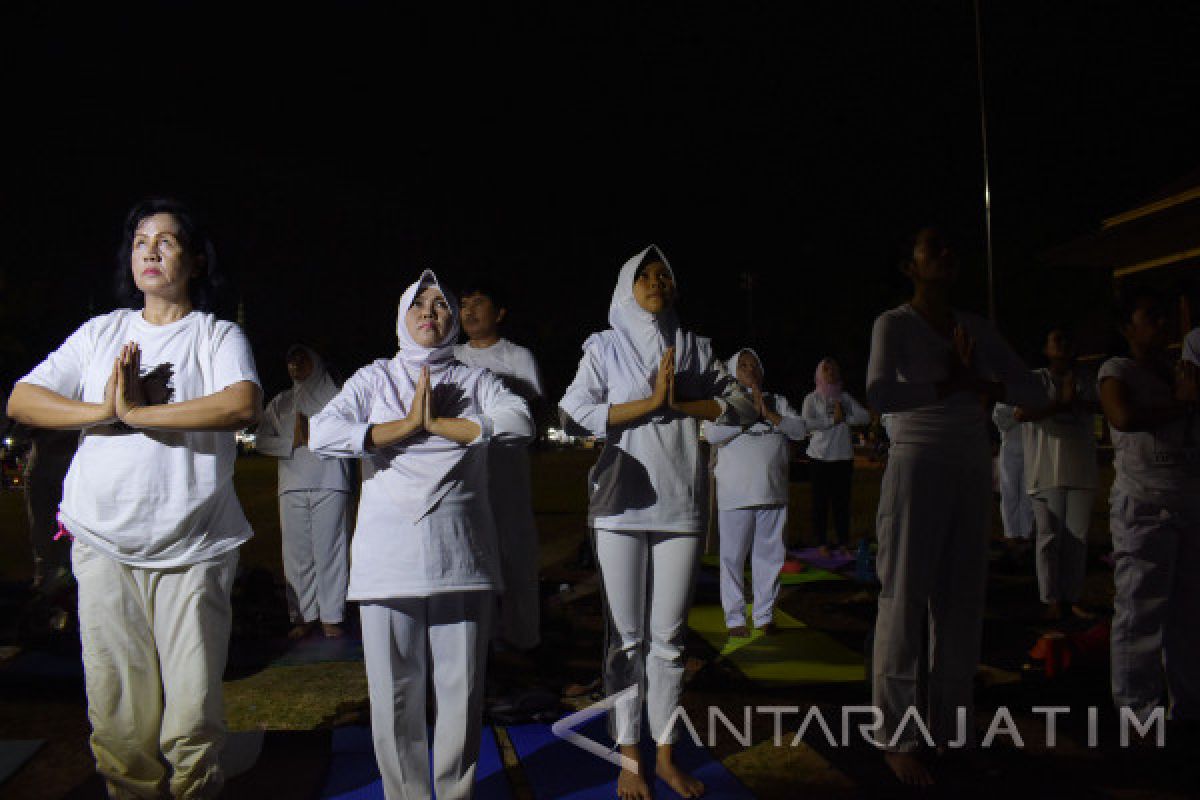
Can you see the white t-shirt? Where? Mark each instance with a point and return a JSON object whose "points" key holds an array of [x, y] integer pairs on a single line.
{"points": [[831, 440], [515, 365], [752, 463], [155, 499], [1160, 466], [1060, 451]]}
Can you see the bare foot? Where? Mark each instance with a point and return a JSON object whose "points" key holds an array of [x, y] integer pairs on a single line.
{"points": [[1052, 612], [632, 785], [908, 769], [739, 632], [1081, 612], [300, 630], [332, 630], [684, 784]]}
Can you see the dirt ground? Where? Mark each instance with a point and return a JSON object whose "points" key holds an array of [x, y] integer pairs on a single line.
{"points": [[309, 699]]}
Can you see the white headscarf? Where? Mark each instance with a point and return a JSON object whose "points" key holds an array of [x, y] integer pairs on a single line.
{"points": [[642, 337], [732, 363], [310, 395], [413, 354]]}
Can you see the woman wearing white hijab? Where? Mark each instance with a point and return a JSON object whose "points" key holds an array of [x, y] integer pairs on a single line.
{"points": [[424, 563], [752, 495], [648, 495], [313, 498]]}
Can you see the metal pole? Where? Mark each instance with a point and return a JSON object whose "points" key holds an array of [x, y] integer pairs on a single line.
{"points": [[987, 187]]}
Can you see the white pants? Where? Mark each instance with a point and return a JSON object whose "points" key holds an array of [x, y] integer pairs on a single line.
{"points": [[154, 647], [647, 584], [408, 642], [1157, 603], [519, 620], [745, 531], [1063, 516], [932, 527], [1016, 509], [314, 526]]}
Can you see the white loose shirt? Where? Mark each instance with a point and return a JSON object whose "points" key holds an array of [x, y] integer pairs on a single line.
{"points": [[152, 499], [424, 520], [515, 365], [909, 358], [1060, 451], [831, 440], [299, 467], [752, 463]]}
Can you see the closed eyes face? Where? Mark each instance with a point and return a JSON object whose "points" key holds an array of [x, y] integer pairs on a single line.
{"points": [[428, 319], [654, 287]]}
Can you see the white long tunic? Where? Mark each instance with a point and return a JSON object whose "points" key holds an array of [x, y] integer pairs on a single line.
{"points": [[909, 358], [752, 463], [830, 441], [424, 522], [153, 499]]}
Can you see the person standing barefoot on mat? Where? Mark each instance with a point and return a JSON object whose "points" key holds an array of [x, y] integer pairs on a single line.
{"points": [[644, 385], [935, 369]]}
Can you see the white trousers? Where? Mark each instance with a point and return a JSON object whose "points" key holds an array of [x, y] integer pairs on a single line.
{"points": [[932, 526], [1016, 509], [1062, 516], [519, 619], [408, 642], [314, 525], [154, 647], [757, 532], [1154, 642], [647, 587]]}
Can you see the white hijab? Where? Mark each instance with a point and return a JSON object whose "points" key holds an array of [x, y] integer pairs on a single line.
{"points": [[413, 354], [732, 363], [310, 395], [641, 337]]}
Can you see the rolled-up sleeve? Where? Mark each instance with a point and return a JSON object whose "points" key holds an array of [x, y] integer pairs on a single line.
{"points": [[340, 429], [503, 416], [586, 399]]}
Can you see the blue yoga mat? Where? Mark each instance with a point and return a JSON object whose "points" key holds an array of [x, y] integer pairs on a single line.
{"points": [[14, 753], [354, 775], [558, 770]]}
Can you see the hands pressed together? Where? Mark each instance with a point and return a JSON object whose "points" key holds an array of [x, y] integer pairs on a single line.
{"points": [[963, 377], [124, 393]]}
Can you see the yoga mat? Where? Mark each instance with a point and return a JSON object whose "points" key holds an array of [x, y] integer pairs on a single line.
{"points": [[354, 774], [809, 575], [795, 654], [812, 556], [14, 753], [559, 770], [319, 650]]}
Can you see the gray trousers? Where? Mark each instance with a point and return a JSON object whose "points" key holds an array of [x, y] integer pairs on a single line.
{"points": [[1154, 641], [932, 526], [314, 526], [1063, 516], [409, 642]]}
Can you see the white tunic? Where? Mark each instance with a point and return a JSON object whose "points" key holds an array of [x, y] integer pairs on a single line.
{"points": [[1060, 451], [752, 463], [909, 358], [153, 499], [831, 440], [299, 467], [514, 364], [424, 523]]}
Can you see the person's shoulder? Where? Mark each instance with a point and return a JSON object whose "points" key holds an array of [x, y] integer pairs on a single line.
{"points": [[900, 315], [1116, 367], [520, 351], [371, 373], [600, 342]]}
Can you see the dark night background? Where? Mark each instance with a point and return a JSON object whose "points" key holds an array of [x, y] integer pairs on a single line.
{"points": [[338, 152]]}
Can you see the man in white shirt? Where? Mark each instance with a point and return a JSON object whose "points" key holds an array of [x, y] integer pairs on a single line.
{"points": [[483, 310]]}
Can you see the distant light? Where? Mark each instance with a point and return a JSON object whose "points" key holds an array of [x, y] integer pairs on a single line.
{"points": [[8, 441]]}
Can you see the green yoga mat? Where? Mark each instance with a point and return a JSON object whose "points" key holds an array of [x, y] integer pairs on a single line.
{"points": [[786, 578], [794, 654]]}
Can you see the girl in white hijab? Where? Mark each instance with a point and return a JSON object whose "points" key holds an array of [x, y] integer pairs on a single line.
{"points": [[424, 563], [313, 498], [648, 496]]}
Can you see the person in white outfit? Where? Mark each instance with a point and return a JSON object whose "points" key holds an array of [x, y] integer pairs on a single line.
{"points": [[1061, 475], [509, 487], [829, 411], [935, 369], [314, 499], [424, 563], [1016, 507], [752, 497], [644, 385], [1155, 517], [157, 389]]}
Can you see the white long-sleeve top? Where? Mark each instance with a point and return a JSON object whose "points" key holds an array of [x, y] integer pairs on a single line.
{"points": [[830, 441], [424, 520], [909, 358], [299, 467], [650, 475], [752, 462]]}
